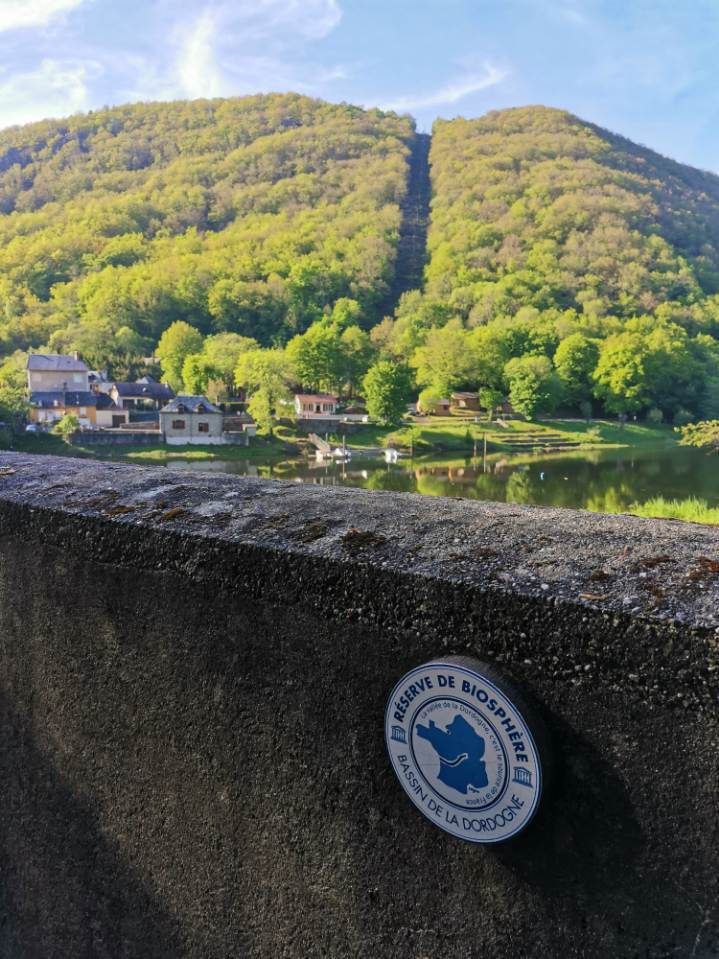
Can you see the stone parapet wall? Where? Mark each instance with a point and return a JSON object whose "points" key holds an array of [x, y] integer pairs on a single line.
{"points": [[193, 675]]}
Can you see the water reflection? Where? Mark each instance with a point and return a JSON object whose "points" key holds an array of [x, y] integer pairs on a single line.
{"points": [[599, 480]]}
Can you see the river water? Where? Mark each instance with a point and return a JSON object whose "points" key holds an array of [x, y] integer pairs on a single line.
{"points": [[600, 480]]}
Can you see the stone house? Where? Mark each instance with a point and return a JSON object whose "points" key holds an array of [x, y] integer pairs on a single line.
{"points": [[192, 420]]}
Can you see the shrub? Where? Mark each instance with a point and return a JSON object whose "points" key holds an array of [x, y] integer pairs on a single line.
{"points": [[682, 417], [65, 427]]}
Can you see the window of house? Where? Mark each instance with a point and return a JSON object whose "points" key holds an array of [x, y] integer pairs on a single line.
{"points": [[77, 378], [203, 427], [83, 410], [178, 424]]}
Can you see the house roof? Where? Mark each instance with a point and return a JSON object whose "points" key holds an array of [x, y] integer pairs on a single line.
{"points": [[105, 402], [145, 389], [190, 404], [316, 397], [53, 399], [55, 363], [464, 395]]}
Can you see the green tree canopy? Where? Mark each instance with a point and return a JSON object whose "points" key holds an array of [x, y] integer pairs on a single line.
{"points": [[446, 359], [490, 400], [266, 375], [533, 385], [316, 356], [575, 360], [387, 389], [196, 373], [178, 342], [704, 435], [221, 353]]}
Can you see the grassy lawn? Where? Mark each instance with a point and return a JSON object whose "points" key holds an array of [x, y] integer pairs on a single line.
{"points": [[455, 433], [608, 433]]}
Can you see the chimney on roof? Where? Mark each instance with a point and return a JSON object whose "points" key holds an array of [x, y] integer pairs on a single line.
{"points": [[76, 354]]}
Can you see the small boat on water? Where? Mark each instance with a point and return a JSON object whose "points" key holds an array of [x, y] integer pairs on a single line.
{"points": [[341, 453], [391, 455]]}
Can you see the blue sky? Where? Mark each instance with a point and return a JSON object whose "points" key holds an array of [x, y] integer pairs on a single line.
{"points": [[645, 68]]}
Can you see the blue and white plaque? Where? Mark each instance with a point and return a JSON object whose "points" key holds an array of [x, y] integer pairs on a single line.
{"points": [[463, 751]]}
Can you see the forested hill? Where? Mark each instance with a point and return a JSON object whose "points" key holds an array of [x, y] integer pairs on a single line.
{"points": [[565, 267], [534, 207], [249, 215]]}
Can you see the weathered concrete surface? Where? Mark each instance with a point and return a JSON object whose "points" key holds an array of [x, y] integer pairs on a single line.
{"points": [[193, 671]]}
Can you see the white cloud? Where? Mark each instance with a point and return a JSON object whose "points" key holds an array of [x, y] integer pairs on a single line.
{"points": [[32, 13], [451, 92], [244, 46], [282, 20], [56, 89], [197, 68]]}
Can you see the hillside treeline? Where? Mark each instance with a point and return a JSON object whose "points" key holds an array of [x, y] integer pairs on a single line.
{"points": [[251, 242], [568, 265], [251, 216]]}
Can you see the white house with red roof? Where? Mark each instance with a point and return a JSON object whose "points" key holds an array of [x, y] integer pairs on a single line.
{"points": [[313, 405]]}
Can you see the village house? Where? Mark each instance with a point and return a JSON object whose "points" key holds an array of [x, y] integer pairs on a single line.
{"points": [[49, 406], [441, 408], [466, 401], [99, 383], [53, 373], [314, 405], [192, 420], [108, 414], [144, 394]]}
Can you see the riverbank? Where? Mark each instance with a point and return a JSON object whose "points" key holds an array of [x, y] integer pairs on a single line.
{"points": [[448, 434], [651, 475], [280, 446], [690, 510]]}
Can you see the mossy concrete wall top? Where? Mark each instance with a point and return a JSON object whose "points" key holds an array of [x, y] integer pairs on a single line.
{"points": [[193, 672]]}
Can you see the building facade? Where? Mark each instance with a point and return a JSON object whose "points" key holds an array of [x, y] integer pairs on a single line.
{"points": [[54, 372], [313, 405], [108, 415], [144, 394], [49, 406], [191, 420]]}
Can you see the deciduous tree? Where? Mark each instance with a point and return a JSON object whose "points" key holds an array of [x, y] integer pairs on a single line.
{"points": [[387, 389]]}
